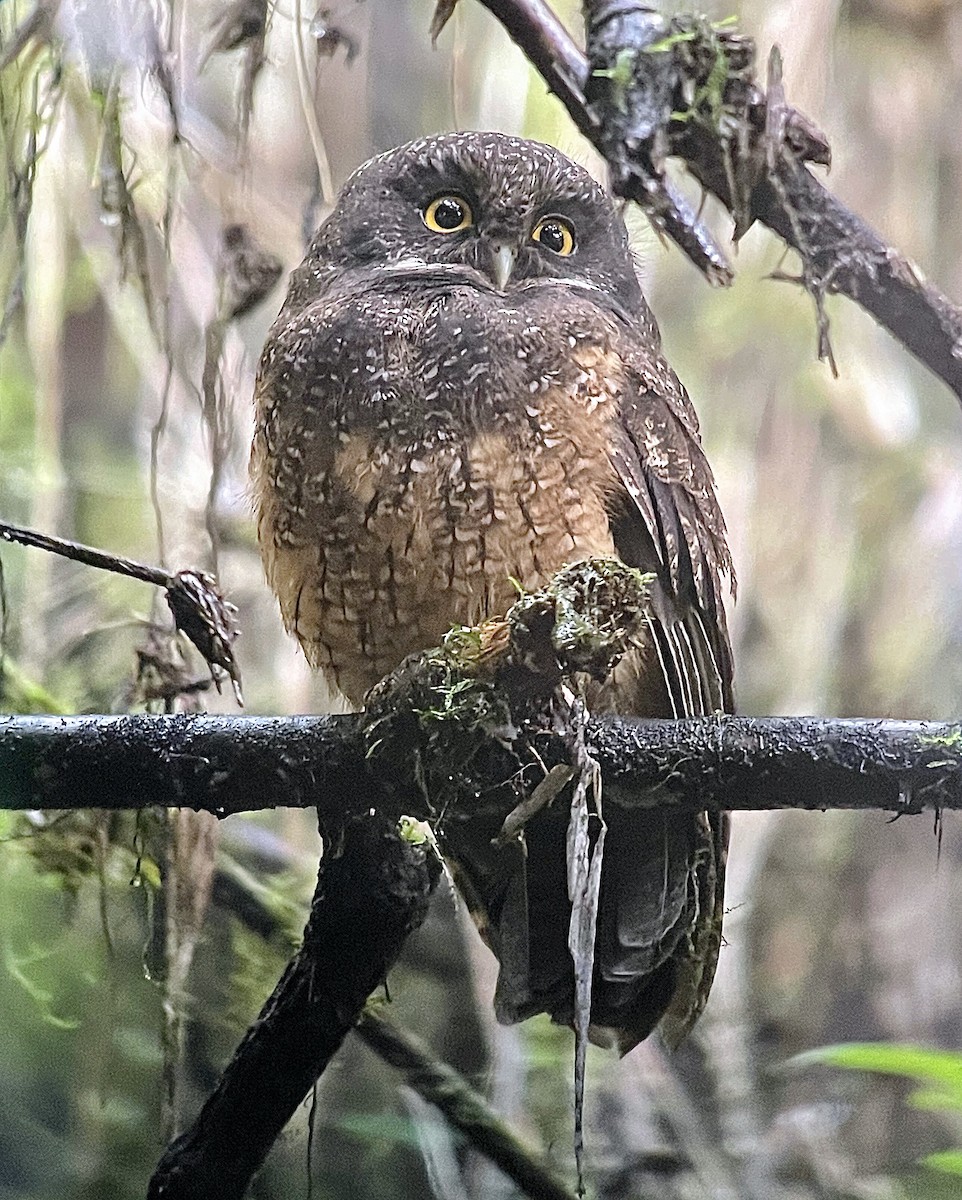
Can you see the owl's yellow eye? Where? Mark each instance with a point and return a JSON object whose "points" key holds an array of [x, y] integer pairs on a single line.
{"points": [[448, 214], [555, 234]]}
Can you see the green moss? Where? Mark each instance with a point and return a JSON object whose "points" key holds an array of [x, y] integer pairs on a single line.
{"points": [[598, 605], [485, 688], [948, 741], [410, 829]]}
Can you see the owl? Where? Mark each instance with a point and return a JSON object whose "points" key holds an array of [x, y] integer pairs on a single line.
{"points": [[465, 388]]}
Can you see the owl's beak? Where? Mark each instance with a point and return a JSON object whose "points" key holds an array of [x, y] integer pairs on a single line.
{"points": [[503, 259]]}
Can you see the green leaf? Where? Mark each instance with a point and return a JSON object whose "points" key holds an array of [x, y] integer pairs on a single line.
{"points": [[943, 1067], [948, 1161]]}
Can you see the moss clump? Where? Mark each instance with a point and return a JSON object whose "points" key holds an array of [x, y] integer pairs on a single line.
{"points": [[485, 688], [595, 610]]}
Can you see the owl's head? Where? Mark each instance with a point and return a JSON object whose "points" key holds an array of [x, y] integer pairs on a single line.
{"points": [[499, 211]]}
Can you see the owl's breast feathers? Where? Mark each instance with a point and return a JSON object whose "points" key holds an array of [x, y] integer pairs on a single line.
{"points": [[412, 457]]}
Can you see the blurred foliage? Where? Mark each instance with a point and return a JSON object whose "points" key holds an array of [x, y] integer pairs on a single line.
{"points": [[128, 152], [938, 1072]]}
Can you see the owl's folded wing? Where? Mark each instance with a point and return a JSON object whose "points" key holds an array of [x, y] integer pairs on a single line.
{"points": [[662, 919], [671, 525]]}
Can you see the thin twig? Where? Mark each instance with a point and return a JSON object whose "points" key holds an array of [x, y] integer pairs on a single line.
{"points": [[461, 1106], [324, 178], [199, 610], [87, 555]]}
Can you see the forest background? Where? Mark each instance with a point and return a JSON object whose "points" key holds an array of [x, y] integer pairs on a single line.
{"points": [[844, 502]]}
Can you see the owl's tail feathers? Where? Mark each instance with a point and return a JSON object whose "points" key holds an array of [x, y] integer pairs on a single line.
{"points": [[658, 926]]}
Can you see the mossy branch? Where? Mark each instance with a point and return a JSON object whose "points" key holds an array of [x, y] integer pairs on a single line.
{"points": [[479, 717], [227, 765]]}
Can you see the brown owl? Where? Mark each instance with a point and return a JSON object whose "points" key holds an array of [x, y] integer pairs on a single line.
{"points": [[465, 386]]}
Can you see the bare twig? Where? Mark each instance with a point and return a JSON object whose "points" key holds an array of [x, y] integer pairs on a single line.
{"points": [[35, 27], [242, 25], [90, 557], [463, 1108], [325, 179], [199, 610]]}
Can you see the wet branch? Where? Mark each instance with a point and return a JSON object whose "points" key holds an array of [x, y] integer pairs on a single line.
{"points": [[651, 88], [228, 765]]}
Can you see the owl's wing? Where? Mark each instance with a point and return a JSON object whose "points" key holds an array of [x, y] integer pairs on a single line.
{"points": [[671, 525], [662, 921]]}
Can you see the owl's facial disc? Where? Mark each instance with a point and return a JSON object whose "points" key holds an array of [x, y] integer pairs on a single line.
{"points": [[483, 211]]}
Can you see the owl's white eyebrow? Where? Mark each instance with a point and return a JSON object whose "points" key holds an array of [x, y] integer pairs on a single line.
{"points": [[411, 263], [549, 280], [605, 299], [419, 268], [414, 263], [413, 267]]}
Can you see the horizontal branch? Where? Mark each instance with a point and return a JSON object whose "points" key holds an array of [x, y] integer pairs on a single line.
{"points": [[221, 764], [758, 763], [228, 765]]}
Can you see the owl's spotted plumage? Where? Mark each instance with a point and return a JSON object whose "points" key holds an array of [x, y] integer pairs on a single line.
{"points": [[465, 387]]}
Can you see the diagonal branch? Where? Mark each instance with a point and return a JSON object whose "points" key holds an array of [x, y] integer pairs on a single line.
{"points": [[461, 1106], [753, 161], [372, 892]]}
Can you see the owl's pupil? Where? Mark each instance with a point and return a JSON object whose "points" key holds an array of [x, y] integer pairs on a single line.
{"points": [[449, 214], [552, 235]]}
